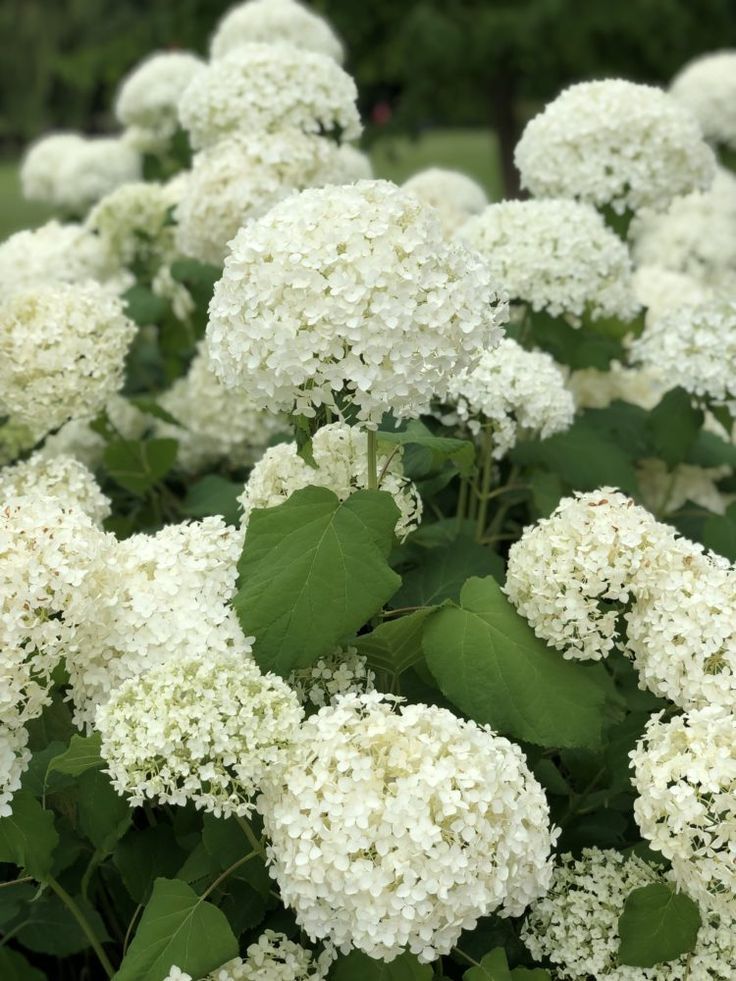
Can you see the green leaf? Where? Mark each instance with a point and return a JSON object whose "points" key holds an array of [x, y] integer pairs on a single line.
{"points": [[395, 645], [177, 927], [441, 572], [488, 661], [493, 967], [150, 407], [143, 306], [14, 967], [624, 424], [226, 842], [709, 450], [674, 424], [460, 452], [657, 924], [576, 347], [313, 571], [145, 855], [83, 754], [719, 533], [214, 495], [357, 966], [104, 817], [53, 929], [28, 837], [530, 974], [137, 465]]}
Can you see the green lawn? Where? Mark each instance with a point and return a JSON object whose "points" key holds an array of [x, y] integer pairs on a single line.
{"points": [[472, 151]]}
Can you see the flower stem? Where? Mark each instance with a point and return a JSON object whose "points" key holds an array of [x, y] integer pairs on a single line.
{"points": [[250, 834], [84, 924], [372, 460], [228, 871], [485, 485]]}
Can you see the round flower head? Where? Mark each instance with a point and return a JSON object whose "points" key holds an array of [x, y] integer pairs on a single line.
{"points": [[694, 347], [614, 143], [42, 161], [240, 178], [595, 389], [513, 393], [685, 775], [271, 21], [62, 351], [665, 491], [341, 673], [150, 600], [575, 926], [262, 88], [455, 196], [352, 165], [273, 957], [352, 291], [557, 256], [395, 828], [215, 423], [571, 573], [340, 455], [662, 291], [707, 87], [149, 94], [61, 477]]}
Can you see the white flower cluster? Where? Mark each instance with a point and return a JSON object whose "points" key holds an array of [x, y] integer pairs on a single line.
{"points": [[71, 171], [394, 828], [341, 673], [241, 177], [662, 291], [349, 290], [685, 776], [555, 255], [595, 389], [271, 21], [62, 351], [62, 477], [77, 438], [215, 423], [273, 957], [352, 165], [150, 599], [454, 195], [707, 87], [570, 574], [340, 454], [575, 926], [694, 347], [616, 143], [515, 393], [664, 491], [205, 732], [269, 87], [147, 101]]}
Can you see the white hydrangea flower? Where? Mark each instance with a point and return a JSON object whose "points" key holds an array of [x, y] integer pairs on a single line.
{"points": [[616, 143], [400, 828], [571, 573], [149, 95], [707, 87], [696, 235], [273, 957], [205, 732], [341, 673], [662, 291], [595, 389], [575, 926], [240, 178], [270, 21], [555, 255], [269, 87], [516, 393], [685, 775], [215, 423], [454, 195], [349, 290], [665, 491], [352, 165], [77, 438], [39, 169], [61, 477], [150, 599], [340, 454], [694, 347], [62, 353]]}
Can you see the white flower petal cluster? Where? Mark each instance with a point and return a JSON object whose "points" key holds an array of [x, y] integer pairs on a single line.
{"points": [[340, 454], [454, 195], [240, 178], [694, 347], [350, 290], [707, 87], [204, 732], [273, 957], [352, 165], [685, 775], [215, 423], [396, 828], [616, 143], [77, 438], [343, 672], [662, 291], [555, 255], [271, 21], [665, 491], [515, 393], [571, 574], [151, 600], [147, 101], [71, 171], [62, 477], [595, 389], [62, 353], [261, 88], [575, 926]]}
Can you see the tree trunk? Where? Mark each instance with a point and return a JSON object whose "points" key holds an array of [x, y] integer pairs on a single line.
{"points": [[506, 127]]}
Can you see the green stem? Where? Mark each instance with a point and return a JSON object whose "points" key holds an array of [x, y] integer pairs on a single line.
{"points": [[485, 482], [465, 957], [228, 871], [15, 882], [462, 501], [372, 460], [250, 834], [134, 917], [84, 924]]}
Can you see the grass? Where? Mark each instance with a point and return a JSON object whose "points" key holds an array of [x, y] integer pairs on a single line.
{"points": [[472, 151]]}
